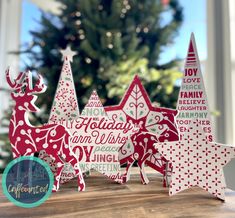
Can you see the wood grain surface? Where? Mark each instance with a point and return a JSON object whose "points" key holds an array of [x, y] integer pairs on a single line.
{"points": [[104, 198]]}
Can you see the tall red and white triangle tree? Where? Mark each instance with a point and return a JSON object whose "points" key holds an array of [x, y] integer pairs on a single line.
{"points": [[192, 101], [65, 104]]}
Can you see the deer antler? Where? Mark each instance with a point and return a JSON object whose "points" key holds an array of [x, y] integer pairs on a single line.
{"points": [[17, 82], [39, 86], [25, 83], [28, 82]]}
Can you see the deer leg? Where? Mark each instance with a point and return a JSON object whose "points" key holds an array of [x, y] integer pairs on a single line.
{"points": [[126, 176], [143, 175], [60, 166], [144, 178], [81, 183]]}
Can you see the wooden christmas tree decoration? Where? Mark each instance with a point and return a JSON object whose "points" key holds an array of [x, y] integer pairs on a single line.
{"points": [[192, 101], [96, 140], [65, 105]]}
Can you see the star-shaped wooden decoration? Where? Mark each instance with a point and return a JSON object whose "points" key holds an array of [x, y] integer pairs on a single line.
{"points": [[67, 54], [155, 124], [96, 140], [197, 162]]}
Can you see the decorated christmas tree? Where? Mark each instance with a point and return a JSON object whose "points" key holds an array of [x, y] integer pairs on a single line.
{"points": [[114, 40]]}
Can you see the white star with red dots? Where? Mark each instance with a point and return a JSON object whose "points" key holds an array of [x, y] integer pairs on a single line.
{"points": [[197, 162]]}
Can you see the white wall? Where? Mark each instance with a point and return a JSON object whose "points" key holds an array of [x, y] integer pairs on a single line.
{"points": [[48, 5], [221, 73], [219, 77], [232, 47], [10, 18]]}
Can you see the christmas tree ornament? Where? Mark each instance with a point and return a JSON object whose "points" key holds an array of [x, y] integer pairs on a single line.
{"points": [[196, 161], [155, 124], [26, 139]]}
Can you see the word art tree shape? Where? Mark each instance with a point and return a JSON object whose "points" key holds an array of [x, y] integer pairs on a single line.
{"points": [[65, 107], [96, 140], [196, 161], [155, 124], [192, 101]]}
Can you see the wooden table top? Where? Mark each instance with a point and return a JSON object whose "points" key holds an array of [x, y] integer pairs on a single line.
{"points": [[104, 198]]}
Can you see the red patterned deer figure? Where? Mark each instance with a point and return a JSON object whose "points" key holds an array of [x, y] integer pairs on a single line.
{"points": [[141, 147], [26, 139]]}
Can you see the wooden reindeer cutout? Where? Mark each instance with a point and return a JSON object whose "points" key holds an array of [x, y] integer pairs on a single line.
{"points": [[27, 140], [141, 148]]}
